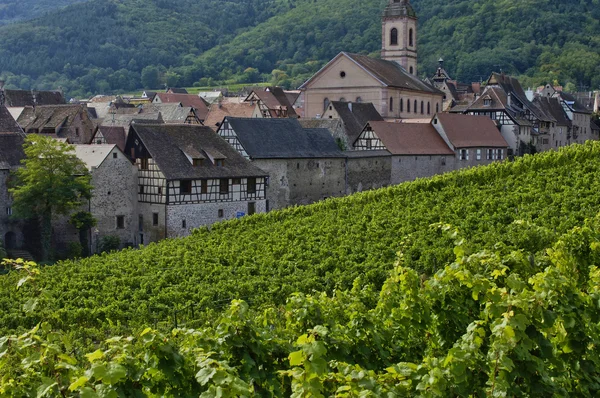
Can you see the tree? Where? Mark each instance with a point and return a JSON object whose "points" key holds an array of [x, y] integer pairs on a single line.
{"points": [[52, 181], [150, 77], [83, 221]]}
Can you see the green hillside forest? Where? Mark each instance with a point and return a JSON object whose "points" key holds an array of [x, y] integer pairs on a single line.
{"points": [[18, 10], [477, 283], [104, 46]]}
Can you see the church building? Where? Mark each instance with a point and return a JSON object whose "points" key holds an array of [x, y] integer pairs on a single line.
{"points": [[390, 83]]}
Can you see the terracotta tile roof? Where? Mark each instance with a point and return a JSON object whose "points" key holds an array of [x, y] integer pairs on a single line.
{"points": [[392, 74], [167, 145], [410, 138], [467, 131], [217, 112], [114, 135], [355, 116], [188, 100]]}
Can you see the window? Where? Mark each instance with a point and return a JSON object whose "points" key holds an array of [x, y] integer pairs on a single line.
{"points": [[358, 100], [160, 190], [251, 208], [155, 219], [464, 154], [411, 70], [401, 105], [487, 102], [144, 163], [490, 154], [220, 162], [77, 131], [236, 181], [429, 108], [391, 104], [343, 99], [120, 222], [185, 187], [394, 37], [342, 74], [203, 186], [500, 154], [251, 186], [9, 211], [183, 224], [224, 186], [443, 161], [115, 155], [141, 223], [415, 108], [408, 106], [422, 108], [478, 154], [410, 38], [198, 162], [437, 108], [141, 189], [220, 213]]}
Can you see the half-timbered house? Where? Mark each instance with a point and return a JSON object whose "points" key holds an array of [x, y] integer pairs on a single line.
{"points": [[354, 116], [271, 102], [304, 165], [71, 122], [190, 177]]}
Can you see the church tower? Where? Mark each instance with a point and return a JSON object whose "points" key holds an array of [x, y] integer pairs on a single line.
{"points": [[399, 35]]}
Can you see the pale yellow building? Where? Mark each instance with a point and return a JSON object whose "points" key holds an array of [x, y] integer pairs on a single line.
{"points": [[390, 83]]}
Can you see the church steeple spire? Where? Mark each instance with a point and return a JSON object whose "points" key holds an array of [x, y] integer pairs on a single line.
{"points": [[399, 34]]}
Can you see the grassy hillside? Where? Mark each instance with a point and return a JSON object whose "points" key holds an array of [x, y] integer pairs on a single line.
{"points": [[104, 45], [264, 258]]}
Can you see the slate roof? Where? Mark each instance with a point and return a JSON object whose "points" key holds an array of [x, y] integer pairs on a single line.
{"points": [[391, 74], [283, 139], [11, 150], [467, 131], [574, 104], [167, 144], [410, 138], [217, 112], [23, 98], [355, 116], [114, 135], [553, 107], [7, 123], [595, 125], [126, 120], [511, 85], [52, 117], [171, 113], [190, 100]]}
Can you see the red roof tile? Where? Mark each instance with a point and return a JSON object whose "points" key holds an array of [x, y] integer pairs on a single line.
{"points": [[410, 138], [467, 131]]}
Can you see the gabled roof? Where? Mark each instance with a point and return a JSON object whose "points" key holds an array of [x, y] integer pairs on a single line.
{"points": [[467, 131], [173, 90], [7, 123], [93, 155], [274, 98], [167, 144], [190, 100], [171, 113], [410, 138], [283, 139], [23, 98], [552, 106], [575, 105], [113, 120], [50, 116], [232, 108], [496, 96], [511, 86], [355, 116], [114, 135]]}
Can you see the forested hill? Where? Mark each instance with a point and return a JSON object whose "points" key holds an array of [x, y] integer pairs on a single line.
{"points": [[18, 10], [111, 45]]}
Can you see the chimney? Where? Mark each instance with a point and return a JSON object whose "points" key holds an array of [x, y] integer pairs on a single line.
{"points": [[509, 99]]}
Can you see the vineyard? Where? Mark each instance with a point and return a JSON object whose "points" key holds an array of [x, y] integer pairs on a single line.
{"points": [[475, 283]]}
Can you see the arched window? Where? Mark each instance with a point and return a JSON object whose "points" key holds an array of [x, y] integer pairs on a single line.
{"points": [[408, 106], [415, 108], [391, 104], [437, 108], [410, 38], [422, 108], [394, 37], [342, 99], [401, 105], [358, 100], [326, 103], [429, 108]]}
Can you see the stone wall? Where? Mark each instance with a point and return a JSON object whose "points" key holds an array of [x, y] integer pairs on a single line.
{"points": [[199, 215], [10, 229], [409, 168], [303, 181], [367, 172]]}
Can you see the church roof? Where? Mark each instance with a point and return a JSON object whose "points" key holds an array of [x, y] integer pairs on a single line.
{"points": [[399, 8]]}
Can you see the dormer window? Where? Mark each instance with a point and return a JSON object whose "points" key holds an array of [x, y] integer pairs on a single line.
{"points": [[219, 162], [487, 101], [197, 162]]}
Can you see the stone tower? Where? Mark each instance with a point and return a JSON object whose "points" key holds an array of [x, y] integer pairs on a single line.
{"points": [[399, 34]]}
